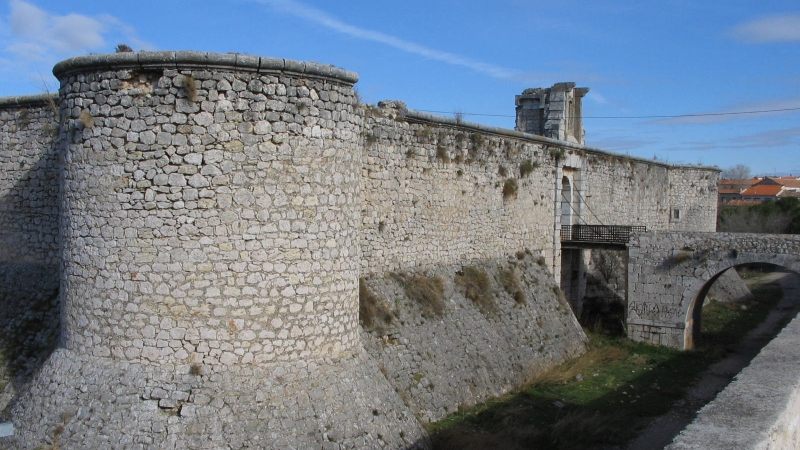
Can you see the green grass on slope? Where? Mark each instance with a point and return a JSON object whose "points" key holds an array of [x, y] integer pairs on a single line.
{"points": [[605, 396]]}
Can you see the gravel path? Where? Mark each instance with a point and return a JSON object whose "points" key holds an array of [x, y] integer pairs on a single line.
{"points": [[663, 429]]}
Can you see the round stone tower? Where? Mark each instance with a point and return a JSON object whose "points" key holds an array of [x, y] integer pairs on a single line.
{"points": [[210, 208], [210, 214]]}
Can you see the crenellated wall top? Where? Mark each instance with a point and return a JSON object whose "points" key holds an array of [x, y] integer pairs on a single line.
{"points": [[201, 60]]}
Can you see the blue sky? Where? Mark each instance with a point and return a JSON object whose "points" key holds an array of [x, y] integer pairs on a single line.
{"points": [[640, 59]]}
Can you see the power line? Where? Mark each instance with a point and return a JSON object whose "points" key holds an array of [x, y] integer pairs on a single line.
{"points": [[737, 113]]}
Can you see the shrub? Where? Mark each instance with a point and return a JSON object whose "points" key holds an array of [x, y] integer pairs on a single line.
{"points": [[123, 48], [477, 288], [372, 313], [541, 262], [510, 188], [427, 291]]}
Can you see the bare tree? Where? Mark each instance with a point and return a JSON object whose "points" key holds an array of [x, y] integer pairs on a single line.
{"points": [[746, 220], [737, 172]]}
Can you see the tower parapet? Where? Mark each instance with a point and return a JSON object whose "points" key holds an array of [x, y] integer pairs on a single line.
{"points": [[553, 112]]}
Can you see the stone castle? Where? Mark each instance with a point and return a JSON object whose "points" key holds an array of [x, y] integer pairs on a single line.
{"points": [[201, 221]]}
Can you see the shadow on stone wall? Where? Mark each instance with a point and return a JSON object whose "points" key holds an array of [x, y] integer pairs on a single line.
{"points": [[29, 273], [603, 309], [29, 321]]}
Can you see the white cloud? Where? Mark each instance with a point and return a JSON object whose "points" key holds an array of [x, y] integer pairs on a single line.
{"points": [[776, 28], [37, 35], [322, 18]]}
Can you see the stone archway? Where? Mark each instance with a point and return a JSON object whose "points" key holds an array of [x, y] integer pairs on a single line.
{"points": [[669, 274], [691, 332]]}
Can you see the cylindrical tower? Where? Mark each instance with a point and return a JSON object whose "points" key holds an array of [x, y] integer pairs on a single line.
{"points": [[210, 208]]}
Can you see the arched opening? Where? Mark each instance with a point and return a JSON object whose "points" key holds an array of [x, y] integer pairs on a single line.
{"points": [[566, 201], [694, 327]]}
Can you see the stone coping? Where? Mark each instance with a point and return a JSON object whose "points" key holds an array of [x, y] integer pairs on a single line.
{"points": [[419, 116], [199, 60], [27, 100]]}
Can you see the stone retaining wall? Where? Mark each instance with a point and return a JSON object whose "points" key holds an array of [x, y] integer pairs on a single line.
{"points": [[468, 354], [759, 410]]}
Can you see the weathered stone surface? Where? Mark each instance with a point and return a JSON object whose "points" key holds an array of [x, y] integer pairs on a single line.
{"points": [[440, 364], [227, 227]]}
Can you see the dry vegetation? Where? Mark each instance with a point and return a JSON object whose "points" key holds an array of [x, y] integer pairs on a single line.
{"points": [[372, 311], [477, 287], [427, 291]]}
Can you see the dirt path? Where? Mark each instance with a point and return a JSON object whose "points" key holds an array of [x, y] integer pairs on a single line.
{"points": [[662, 430]]}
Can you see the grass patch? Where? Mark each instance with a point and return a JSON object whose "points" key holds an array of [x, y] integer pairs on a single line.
{"points": [[427, 291], [604, 397], [477, 288], [372, 313]]}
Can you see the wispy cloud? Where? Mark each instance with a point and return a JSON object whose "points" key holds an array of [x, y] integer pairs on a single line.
{"points": [[775, 28], [744, 111], [37, 35], [765, 139], [324, 19]]}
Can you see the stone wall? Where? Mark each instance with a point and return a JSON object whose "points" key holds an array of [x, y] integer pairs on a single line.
{"points": [[29, 253], [470, 352], [434, 193], [617, 191]]}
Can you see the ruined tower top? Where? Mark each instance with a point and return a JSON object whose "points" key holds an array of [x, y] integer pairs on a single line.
{"points": [[553, 112]]}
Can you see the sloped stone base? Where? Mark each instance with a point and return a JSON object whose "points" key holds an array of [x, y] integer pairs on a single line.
{"points": [[80, 402]]}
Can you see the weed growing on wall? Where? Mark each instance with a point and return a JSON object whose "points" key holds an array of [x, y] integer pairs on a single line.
{"points": [[556, 153], [510, 188], [441, 153], [189, 88], [510, 282], [428, 292], [681, 257], [477, 288], [86, 119], [527, 167]]}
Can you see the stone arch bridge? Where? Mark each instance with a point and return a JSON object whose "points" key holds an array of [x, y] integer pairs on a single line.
{"points": [[669, 274]]}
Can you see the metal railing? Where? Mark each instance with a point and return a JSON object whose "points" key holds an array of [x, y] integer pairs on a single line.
{"points": [[615, 234]]}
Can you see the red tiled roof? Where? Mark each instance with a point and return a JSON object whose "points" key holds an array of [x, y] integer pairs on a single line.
{"points": [[729, 190], [765, 190]]}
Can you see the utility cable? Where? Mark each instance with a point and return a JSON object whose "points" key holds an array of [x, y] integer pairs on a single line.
{"points": [[736, 113]]}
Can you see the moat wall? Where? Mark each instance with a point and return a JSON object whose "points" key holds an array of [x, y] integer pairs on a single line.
{"points": [[215, 213]]}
